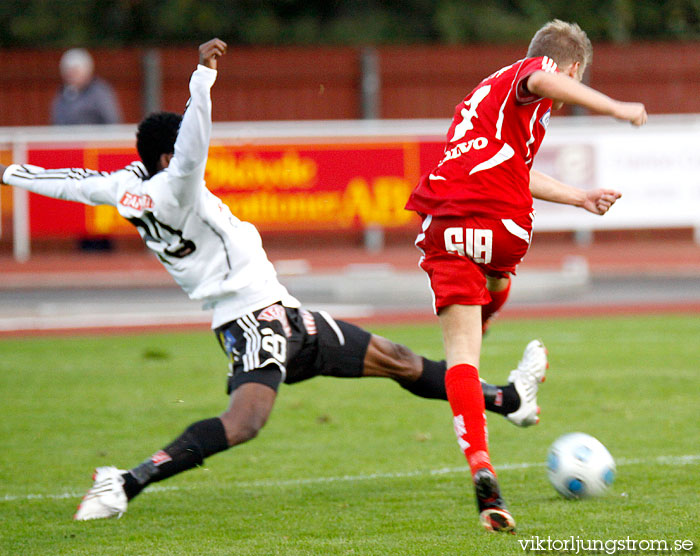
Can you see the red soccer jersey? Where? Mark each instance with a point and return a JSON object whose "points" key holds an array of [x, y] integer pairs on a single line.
{"points": [[495, 133]]}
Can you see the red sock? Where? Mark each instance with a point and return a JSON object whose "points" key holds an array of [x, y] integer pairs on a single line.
{"points": [[498, 299], [467, 402]]}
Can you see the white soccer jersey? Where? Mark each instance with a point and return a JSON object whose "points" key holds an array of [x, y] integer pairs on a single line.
{"points": [[209, 252]]}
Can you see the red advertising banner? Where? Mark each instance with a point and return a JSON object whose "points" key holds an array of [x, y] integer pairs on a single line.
{"points": [[5, 196], [305, 187], [54, 218]]}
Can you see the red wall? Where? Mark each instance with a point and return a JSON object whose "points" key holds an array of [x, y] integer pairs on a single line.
{"points": [[29, 80], [323, 83], [665, 76]]}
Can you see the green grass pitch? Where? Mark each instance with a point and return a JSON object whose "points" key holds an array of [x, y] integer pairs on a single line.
{"points": [[356, 467]]}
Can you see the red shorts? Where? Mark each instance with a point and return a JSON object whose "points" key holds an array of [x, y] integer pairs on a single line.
{"points": [[460, 251]]}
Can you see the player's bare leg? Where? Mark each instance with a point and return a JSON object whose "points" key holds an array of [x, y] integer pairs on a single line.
{"points": [[385, 358], [461, 328], [249, 408], [461, 334], [499, 288]]}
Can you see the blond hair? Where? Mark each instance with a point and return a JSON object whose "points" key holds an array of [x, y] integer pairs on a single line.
{"points": [[563, 42]]}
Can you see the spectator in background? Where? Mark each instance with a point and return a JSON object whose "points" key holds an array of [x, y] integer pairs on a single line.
{"points": [[83, 98]]}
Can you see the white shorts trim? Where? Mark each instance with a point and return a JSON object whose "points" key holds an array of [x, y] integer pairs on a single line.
{"points": [[516, 230], [334, 326]]}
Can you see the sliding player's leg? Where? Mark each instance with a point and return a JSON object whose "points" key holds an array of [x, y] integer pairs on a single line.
{"points": [[252, 389], [249, 408]]}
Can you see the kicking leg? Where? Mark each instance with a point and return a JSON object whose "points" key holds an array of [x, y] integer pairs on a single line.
{"points": [[499, 289]]}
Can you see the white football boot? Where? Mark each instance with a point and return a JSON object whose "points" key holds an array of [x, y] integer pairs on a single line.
{"points": [[106, 498], [526, 379]]}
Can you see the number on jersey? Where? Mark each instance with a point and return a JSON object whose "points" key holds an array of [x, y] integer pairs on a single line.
{"points": [[469, 242], [469, 112], [162, 239]]}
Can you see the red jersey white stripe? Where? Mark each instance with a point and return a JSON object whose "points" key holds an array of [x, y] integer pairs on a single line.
{"points": [[495, 134]]}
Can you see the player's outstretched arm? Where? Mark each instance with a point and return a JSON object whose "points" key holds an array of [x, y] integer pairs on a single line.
{"points": [[546, 188], [187, 166], [562, 88], [82, 185]]}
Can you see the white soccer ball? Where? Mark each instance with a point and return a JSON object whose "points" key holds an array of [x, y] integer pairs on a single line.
{"points": [[579, 466]]}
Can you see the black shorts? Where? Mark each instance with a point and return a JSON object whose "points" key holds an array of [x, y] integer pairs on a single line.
{"points": [[282, 344]]}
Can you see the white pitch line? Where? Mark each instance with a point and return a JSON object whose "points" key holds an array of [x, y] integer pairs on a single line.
{"points": [[690, 459]]}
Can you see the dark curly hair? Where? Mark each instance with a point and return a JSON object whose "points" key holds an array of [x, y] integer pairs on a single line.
{"points": [[155, 136]]}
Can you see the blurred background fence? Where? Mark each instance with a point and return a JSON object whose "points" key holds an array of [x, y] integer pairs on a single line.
{"points": [[311, 83]]}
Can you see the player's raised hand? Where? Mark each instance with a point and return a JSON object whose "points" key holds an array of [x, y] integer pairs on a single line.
{"points": [[210, 51], [633, 112], [599, 201]]}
